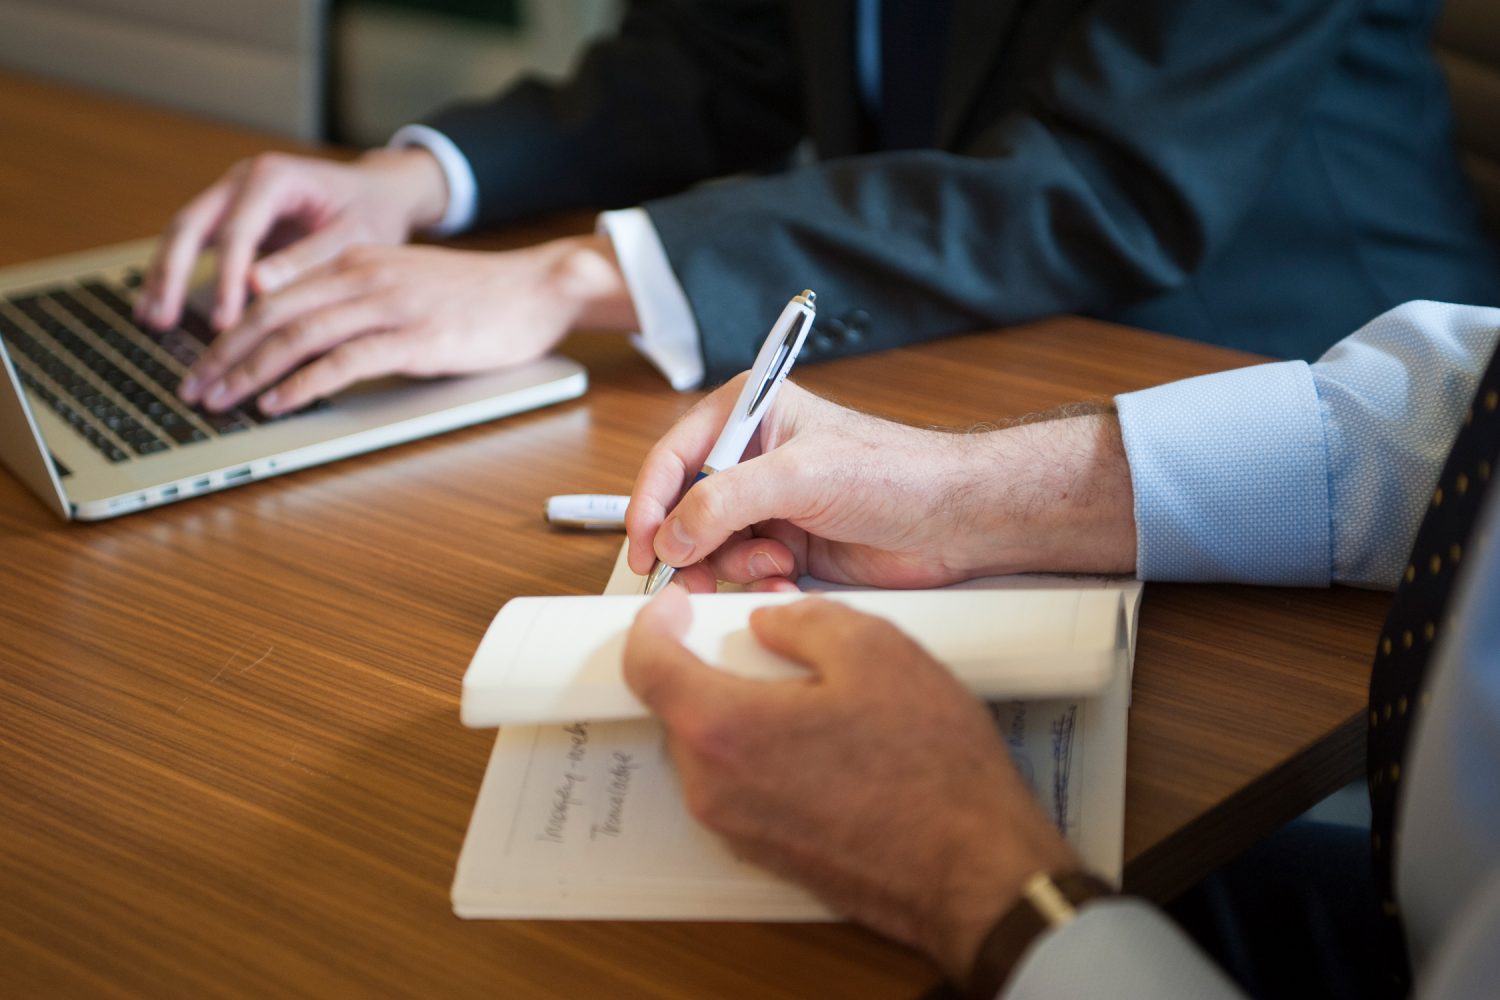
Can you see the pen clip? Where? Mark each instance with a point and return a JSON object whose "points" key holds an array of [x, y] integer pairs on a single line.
{"points": [[777, 369]]}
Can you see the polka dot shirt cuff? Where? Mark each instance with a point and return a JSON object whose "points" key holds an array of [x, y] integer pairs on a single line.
{"points": [[1230, 473]]}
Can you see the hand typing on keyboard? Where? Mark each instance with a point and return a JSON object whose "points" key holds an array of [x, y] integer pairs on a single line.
{"points": [[300, 211], [337, 302], [419, 311]]}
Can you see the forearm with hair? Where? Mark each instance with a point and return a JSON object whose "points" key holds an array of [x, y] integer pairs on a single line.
{"points": [[1050, 493]]}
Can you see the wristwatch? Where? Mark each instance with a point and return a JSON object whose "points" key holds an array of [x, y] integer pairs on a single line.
{"points": [[1047, 901]]}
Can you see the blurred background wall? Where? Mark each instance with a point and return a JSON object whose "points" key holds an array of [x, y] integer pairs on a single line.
{"points": [[346, 70], [468, 48], [353, 70]]}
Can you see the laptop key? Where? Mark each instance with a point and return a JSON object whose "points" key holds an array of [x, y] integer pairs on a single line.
{"points": [[130, 430], [110, 300], [90, 433], [185, 343], [227, 423], [179, 429], [193, 323], [128, 348], [165, 413]]}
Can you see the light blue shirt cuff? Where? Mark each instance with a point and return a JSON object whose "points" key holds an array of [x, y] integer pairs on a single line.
{"points": [[1230, 473], [1120, 948], [1393, 395], [463, 190], [669, 332]]}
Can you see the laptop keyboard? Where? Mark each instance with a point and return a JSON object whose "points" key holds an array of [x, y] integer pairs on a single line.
{"points": [[78, 349]]}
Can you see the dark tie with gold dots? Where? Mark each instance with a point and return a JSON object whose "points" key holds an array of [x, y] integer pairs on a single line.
{"points": [[1416, 622]]}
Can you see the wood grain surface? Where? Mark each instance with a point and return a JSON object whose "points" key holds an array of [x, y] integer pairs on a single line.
{"points": [[230, 756]]}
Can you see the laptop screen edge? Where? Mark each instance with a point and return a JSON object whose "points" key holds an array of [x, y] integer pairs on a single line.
{"points": [[22, 449]]}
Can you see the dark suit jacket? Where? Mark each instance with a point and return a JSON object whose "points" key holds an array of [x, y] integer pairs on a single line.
{"points": [[1266, 174]]}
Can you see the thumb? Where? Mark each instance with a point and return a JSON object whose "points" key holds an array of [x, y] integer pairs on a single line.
{"points": [[672, 682], [668, 466], [778, 485]]}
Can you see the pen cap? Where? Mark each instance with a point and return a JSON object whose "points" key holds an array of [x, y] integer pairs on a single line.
{"points": [[772, 364], [588, 510]]}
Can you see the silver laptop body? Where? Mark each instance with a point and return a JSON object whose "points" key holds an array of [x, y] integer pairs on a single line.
{"points": [[89, 420]]}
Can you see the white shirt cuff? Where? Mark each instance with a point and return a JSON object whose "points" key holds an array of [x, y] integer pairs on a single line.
{"points": [[463, 190], [669, 333]]}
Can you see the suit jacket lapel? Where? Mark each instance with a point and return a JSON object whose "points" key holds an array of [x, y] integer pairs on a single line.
{"points": [[977, 32]]}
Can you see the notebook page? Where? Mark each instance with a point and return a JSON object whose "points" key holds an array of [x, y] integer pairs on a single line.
{"points": [[586, 820]]}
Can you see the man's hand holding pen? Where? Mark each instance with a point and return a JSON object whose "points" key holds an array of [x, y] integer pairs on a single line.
{"points": [[849, 498], [876, 782]]}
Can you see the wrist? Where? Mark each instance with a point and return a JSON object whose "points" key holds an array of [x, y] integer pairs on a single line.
{"points": [[1052, 495], [412, 182], [1048, 900], [982, 887], [587, 275]]}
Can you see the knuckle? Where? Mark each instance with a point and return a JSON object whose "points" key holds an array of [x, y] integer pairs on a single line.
{"points": [[711, 506], [406, 359], [718, 737], [370, 270], [342, 364], [181, 219], [357, 258], [236, 234], [264, 166], [257, 367], [355, 358], [295, 388], [240, 379], [212, 361], [709, 805], [294, 338], [379, 273], [368, 261]]}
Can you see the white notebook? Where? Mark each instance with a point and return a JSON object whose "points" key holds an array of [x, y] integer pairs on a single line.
{"points": [[557, 659], [584, 819]]}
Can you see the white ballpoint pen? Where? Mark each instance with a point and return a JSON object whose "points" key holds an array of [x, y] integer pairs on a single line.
{"points": [[766, 375]]}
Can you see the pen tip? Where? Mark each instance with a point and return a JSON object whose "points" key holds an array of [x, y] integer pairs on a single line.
{"points": [[661, 574]]}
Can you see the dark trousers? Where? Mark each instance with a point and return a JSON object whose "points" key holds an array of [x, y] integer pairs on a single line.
{"points": [[1294, 916]]}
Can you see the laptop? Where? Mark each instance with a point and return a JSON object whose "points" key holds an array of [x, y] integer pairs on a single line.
{"points": [[90, 420]]}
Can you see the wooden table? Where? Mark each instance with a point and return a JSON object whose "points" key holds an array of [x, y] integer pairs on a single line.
{"points": [[230, 756]]}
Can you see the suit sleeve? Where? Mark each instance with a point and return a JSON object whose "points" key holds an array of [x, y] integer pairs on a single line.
{"points": [[684, 92], [1131, 157]]}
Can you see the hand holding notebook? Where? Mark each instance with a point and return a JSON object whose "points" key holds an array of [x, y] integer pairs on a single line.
{"points": [[586, 819]]}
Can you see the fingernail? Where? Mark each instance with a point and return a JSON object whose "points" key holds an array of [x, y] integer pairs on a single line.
{"points": [[268, 277], [217, 396], [268, 400], [762, 566], [189, 388], [676, 545]]}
